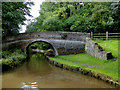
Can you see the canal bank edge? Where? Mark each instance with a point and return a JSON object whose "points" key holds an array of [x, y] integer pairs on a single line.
{"points": [[84, 71]]}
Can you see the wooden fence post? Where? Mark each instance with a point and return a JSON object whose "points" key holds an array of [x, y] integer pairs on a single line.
{"points": [[106, 35], [91, 35]]}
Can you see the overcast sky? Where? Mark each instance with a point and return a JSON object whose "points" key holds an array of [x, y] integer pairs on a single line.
{"points": [[34, 12]]}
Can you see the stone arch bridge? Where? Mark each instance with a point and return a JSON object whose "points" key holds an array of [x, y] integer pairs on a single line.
{"points": [[62, 42]]}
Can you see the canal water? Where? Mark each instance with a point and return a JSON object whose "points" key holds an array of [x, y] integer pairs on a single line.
{"points": [[38, 73]]}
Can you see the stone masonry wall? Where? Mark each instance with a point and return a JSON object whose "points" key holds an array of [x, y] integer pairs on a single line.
{"points": [[62, 42], [75, 36], [96, 50]]}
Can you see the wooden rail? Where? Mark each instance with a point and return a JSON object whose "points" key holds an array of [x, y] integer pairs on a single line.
{"points": [[105, 36]]}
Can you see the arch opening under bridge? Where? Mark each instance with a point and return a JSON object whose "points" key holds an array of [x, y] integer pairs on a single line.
{"points": [[53, 48]]}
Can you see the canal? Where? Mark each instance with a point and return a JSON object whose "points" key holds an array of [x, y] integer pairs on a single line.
{"points": [[38, 73]]}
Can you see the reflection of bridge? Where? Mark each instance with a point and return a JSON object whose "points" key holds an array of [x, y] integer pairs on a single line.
{"points": [[62, 42]]}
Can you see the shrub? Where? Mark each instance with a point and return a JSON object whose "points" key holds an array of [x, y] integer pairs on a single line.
{"points": [[12, 59]]}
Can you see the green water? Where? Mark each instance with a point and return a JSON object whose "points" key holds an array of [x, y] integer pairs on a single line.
{"points": [[38, 73]]}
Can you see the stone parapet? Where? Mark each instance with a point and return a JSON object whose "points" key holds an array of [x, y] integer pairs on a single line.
{"points": [[75, 36], [96, 50]]}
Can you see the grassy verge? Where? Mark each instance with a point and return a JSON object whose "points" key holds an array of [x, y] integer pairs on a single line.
{"points": [[109, 46], [11, 59], [106, 67]]}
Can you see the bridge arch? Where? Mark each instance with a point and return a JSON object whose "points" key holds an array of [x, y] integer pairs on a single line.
{"points": [[27, 46], [73, 43]]}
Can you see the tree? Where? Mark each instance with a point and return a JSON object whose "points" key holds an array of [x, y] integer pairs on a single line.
{"points": [[77, 17], [0, 20], [13, 14], [115, 10], [52, 24], [32, 27], [101, 15]]}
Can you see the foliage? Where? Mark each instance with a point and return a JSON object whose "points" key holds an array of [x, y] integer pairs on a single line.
{"points": [[77, 17], [52, 24], [12, 59], [115, 9], [64, 36], [13, 15], [0, 19], [31, 27], [5, 53], [41, 45]]}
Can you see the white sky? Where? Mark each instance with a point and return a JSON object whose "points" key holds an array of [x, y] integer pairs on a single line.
{"points": [[34, 12]]}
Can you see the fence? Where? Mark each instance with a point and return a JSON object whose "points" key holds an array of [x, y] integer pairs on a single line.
{"points": [[105, 36]]}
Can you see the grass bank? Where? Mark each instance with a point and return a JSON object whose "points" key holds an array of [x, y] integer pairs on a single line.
{"points": [[85, 61], [11, 59], [109, 46]]}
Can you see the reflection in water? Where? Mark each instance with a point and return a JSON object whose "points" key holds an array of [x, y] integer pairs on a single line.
{"points": [[29, 85], [37, 73], [38, 65]]}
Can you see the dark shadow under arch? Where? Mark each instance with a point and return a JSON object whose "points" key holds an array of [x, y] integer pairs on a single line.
{"points": [[54, 49]]}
